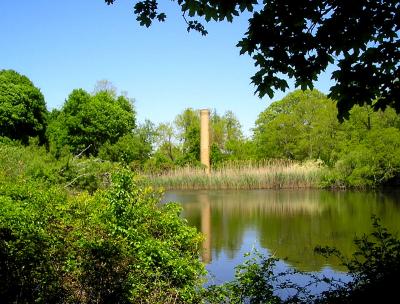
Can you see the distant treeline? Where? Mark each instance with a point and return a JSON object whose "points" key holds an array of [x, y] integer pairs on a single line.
{"points": [[361, 151]]}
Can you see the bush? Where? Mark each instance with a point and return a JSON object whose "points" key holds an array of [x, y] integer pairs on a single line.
{"points": [[158, 164], [116, 246], [22, 163]]}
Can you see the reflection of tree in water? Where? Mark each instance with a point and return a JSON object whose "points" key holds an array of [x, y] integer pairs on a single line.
{"points": [[288, 223]]}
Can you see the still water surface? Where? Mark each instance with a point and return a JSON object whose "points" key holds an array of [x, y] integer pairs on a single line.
{"points": [[286, 223]]}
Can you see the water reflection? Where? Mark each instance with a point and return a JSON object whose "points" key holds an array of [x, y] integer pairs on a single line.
{"points": [[205, 226], [287, 223]]}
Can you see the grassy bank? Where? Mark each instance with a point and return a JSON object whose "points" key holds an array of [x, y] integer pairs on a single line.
{"points": [[276, 174]]}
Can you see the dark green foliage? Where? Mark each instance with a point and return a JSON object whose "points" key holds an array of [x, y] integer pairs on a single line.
{"points": [[129, 149], [304, 37], [23, 112], [158, 163], [300, 39], [116, 246], [86, 122], [216, 155], [29, 261]]}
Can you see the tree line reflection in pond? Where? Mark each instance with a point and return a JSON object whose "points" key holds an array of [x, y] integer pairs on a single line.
{"points": [[288, 223]]}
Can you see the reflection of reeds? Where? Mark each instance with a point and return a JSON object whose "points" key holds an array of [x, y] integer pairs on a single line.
{"points": [[265, 175], [266, 208], [258, 204]]}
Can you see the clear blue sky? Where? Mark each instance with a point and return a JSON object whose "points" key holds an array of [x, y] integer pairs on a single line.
{"points": [[63, 45]]}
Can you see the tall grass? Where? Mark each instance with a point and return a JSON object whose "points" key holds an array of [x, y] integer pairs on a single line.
{"points": [[272, 174]]}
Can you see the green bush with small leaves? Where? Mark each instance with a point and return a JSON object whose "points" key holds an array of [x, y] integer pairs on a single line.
{"points": [[117, 245]]}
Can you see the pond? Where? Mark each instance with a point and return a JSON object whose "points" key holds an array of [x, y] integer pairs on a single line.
{"points": [[285, 223]]}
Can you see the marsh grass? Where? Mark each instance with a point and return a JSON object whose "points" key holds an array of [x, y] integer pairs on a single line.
{"points": [[272, 174]]}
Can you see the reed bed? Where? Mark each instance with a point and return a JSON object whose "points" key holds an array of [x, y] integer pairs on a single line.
{"points": [[273, 174]]}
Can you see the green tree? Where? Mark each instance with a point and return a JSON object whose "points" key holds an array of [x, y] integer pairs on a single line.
{"points": [[300, 39], [302, 125], [188, 125], [129, 149], [368, 148], [224, 129], [165, 137], [86, 122], [133, 148], [226, 137], [23, 112]]}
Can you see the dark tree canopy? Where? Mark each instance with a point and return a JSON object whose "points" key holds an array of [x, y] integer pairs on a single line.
{"points": [[22, 108], [300, 39]]}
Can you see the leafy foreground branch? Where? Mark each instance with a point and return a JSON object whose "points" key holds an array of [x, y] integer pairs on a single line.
{"points": [[374, 269]]}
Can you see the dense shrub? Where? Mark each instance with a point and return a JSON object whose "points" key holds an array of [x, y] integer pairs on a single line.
{"points": [[116, 246], [159, 163], [22, 163]]}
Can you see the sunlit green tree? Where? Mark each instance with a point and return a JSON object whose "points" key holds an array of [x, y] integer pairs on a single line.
{"points": [[188, 126], [86, 121], [368, 148], [302, 125], [23, 112]]}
